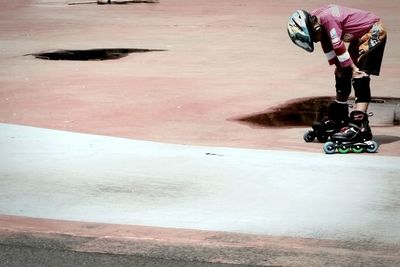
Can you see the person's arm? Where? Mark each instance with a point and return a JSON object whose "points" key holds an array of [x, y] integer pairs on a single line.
{"points": [[339, 54], [334, 32], [329, 52]]}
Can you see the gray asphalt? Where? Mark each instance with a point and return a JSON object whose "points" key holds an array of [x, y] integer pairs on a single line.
{"points": [[17, 256]]}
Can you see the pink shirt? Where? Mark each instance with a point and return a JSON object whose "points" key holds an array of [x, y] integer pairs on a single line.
{"points": [[342, 24]]}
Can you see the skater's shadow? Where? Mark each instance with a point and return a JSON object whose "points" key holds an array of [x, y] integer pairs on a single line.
{"points": [[386, 139]]}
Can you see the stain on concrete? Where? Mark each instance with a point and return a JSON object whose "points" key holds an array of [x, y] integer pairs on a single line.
{"points": [[304, 111], [90, 54]]}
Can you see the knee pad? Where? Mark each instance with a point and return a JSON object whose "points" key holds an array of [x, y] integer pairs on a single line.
{"points": [[343, 82], [362, 90]]}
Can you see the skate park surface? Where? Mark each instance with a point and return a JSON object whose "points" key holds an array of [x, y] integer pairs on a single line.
{"points": [[142, 155]]}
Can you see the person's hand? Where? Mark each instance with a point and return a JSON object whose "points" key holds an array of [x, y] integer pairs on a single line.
{"points": [[357, 73]]}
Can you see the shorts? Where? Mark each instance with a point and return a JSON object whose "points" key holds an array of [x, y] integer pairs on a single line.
{"points": [[368, 50]]}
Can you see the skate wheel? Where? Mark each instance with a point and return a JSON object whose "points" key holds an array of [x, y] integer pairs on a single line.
{"points": [[343, 149], [309, 136], [372, 146], [329, 147], [358, 149]]}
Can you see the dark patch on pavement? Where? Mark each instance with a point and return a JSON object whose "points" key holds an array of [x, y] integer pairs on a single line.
{"points": [[90, 54]]}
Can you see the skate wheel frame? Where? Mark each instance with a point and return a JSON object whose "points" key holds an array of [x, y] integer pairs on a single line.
{"points": [[322, 138], [344, 149], [372, 146], [367, 146], [358, 149], [309, 136], [329, 147]]}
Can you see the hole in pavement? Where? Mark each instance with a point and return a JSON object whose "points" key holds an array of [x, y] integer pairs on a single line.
{"points": [[120, 2], [304, 111], [91, 54], [102, 2]]}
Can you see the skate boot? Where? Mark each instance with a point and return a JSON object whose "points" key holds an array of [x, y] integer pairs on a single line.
{"points": [[356, 137], [337, 118]]}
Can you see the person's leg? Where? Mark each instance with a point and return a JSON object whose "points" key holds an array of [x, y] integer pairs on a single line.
{"points": [[370, 53], [358, 129], [363, 106], [362, 92], [343, 84], [338, 111]]}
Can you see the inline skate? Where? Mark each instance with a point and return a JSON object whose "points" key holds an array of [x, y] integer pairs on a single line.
{"points": [[356, 137], [337, 117]]}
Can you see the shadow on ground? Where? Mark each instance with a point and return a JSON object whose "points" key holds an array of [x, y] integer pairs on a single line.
{"points": [[386, 139], [305, 111]]}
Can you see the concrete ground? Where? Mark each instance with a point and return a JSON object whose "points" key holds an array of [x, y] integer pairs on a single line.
{"points": [[142, 156]]}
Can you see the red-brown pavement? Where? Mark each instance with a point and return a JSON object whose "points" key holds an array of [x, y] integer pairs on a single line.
{"points": [[222, 60]]}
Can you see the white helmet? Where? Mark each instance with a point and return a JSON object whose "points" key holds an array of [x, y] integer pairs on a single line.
{"points": [[299, 25]]}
